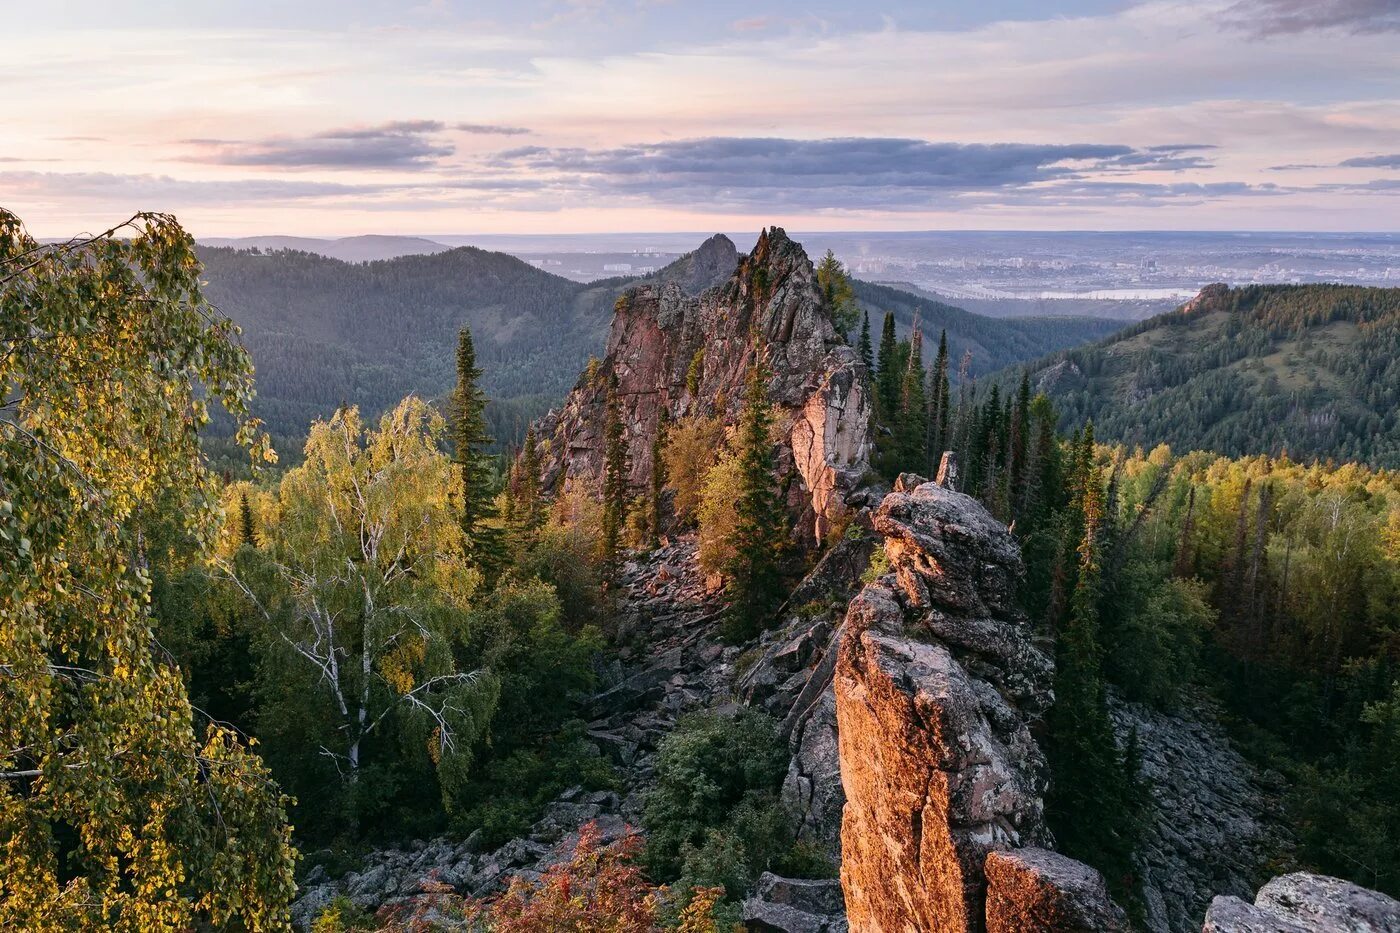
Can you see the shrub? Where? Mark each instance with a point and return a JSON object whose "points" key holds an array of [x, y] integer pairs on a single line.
{"points": [[691, 447], [713, 818]]}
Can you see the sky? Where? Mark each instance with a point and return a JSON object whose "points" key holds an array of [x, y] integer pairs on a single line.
{"points": [[337, 118]]}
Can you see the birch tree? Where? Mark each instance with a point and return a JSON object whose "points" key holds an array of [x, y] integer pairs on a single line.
{"points": [[362, 584]]}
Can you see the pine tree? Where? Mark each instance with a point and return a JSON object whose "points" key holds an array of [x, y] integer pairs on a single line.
{"points": [[939, 404], [1184, 561], [1091, 807], [910, 432], [529, 507], [1020, 442], [867, 354], [888, 374], [247, 533], [483, 540], [760, 533], [615, 470]]}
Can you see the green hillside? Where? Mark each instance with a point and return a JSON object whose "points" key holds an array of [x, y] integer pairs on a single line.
{"points": [[323, 331], [993, 342], [1310, 369]]}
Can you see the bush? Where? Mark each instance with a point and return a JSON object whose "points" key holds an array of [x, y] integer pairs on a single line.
{"points": [[713, 817], [691, 447]]}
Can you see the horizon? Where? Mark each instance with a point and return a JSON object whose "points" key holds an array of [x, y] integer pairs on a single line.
{"points": [[583, 116]]}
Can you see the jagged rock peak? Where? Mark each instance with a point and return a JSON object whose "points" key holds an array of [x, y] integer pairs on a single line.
{"points": [[709, 265], [938, 683], [686, 355]]}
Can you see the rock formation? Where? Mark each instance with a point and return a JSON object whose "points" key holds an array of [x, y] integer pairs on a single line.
{"points": [[671, 351], [938, 683], [1305, 902], [1216, 820], [1036, 890]]}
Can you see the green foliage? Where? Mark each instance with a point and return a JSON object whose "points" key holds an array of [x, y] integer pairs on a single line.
{"points": [[616, 467], [692, 444], [837, 295], [116, 810], [754, 571], [483, 538], [695, 372], [1311, 370], [712, 817]]}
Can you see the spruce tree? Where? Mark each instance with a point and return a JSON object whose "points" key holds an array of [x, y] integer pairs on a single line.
{"points": [[1018, 456], [615, 470], [529, 507], [867, 353], [760, 531], [889, 374], [911, 430], [939, 405], [247, 533], [1092, 804], [483, 541]]}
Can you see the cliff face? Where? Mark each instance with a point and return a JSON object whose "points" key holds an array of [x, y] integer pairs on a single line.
{"points": [[938, 683], [685, 354]]}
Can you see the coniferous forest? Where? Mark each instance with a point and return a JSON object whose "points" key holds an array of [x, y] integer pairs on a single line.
{"points": [[209, 686]]}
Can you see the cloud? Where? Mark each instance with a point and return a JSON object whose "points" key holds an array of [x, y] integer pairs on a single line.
{"points": [[491, 129], [1262, 18], [400, 144], [1378, 161], [832, 174]]}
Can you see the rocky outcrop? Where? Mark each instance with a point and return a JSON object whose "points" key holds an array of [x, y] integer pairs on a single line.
{"points": [[1216, 818], [1036, 890], [682, 354], [711, 264], [937, 685], [789, 905], [1305, 902]]}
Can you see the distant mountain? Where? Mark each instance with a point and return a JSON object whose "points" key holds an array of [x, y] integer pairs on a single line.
{"points": [[993, 342], [323, 331], [1310, 369], [350, 248]]}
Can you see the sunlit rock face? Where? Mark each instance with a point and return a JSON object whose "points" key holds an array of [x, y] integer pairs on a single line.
{"points": [[689, 354], [938, 682]]}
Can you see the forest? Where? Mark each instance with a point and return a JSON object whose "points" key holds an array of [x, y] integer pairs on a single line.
{"points": [[324, 332], [1307, 370], [208, 687]]}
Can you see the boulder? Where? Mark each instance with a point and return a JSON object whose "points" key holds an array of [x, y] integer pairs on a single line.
{"points": [[1038, 891], [789, 905], [1304, 901]]}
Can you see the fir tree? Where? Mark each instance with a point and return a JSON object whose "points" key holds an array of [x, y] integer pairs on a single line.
{"points": [[760, 533], [1092, 805], [910, 432], [1018, 458], [867, 353], [528, 505], [483, 540], [939, 403], [889, 375], [615, 470], [247, 532]]}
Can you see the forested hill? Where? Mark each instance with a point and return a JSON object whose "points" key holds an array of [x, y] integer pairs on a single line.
{"points": [[323, 331], [994, 342], [1310, 369]]}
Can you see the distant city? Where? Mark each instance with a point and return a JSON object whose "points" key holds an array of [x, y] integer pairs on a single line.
{"points": [[1004, 273]]}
